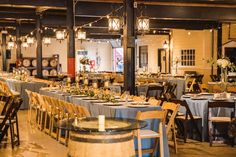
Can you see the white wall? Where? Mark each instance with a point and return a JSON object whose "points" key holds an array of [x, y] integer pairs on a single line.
{"points": [[104, 50]]}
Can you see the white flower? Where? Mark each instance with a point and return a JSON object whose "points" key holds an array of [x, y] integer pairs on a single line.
{"points": [[223, 63]]}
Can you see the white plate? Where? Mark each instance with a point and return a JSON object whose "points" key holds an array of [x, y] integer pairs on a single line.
{"points": [[139, 103], [219, 99], [199, 98], [137, 106], [112, 104]]}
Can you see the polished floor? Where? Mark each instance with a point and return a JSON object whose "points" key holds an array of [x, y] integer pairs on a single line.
{"points": [[34, 143]]}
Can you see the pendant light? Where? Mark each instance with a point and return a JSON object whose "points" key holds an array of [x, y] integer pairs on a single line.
{"points": [[114, 24], [30, 40], [10, 43], [81, 35], [143, 23], [60, 35], [47, 41], [165, 45], [24, 43]]}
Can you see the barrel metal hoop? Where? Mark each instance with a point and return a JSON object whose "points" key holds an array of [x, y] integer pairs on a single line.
{"points": [[87, 140]]}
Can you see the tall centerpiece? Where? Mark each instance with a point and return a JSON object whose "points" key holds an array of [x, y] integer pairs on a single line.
{"points": [[224, 64], [84, 61]]}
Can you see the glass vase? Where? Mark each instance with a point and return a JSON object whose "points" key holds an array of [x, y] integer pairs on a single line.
{"points": [[224, 75]]}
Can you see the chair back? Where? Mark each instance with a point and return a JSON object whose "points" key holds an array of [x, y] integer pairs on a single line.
{"points": [[154, 88], [6, 100], [222, 104], [151, 115], [171, 110]]}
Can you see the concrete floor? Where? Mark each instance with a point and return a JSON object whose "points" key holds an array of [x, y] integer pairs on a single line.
{"points": [[34, 143]]}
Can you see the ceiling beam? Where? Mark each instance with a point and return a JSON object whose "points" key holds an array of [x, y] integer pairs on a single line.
{"points": [[190, 13], [53, 4]]}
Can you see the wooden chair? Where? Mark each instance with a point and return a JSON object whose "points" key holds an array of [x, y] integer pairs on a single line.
{"points": [[8, 121], [162, 154], [231, 89], [171, 110], [217, 120], [154, 102], [183, 120], [144, 134], [158, 89]]}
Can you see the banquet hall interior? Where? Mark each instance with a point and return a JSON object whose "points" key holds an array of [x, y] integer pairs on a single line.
{"points": [[117, 78]]}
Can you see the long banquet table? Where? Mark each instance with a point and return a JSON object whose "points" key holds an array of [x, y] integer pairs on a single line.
{"points": [[199, 107], [21, 86], [180, 88], [122, 111]]}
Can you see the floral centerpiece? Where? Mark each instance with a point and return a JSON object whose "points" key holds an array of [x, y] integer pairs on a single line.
{"points": [[84, 61], [224, 64]]}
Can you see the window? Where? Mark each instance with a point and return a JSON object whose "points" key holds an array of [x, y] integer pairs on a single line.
{"points": [[143, 56], [188, 57]]}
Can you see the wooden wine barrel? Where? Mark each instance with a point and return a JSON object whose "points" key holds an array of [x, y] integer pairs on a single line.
{"points": [[34, 72], [45, 63], [53, 63], [53, 72], [118, 144], [45, 72], [26, 62], [34, 62]]}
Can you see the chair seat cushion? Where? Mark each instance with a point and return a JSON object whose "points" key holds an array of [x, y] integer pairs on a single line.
{"points": [[220, 119], [148, 134]]}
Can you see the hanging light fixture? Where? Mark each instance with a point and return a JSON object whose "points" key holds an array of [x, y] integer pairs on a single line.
{"points": [[30, 40], [81, 35], [10, 44], [114, 24], [47, 41], [165, 45], [143, 24], [24, 43], [60, 35]]}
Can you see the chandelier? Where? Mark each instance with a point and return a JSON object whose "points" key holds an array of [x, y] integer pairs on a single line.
{"points": [[114, 24]]}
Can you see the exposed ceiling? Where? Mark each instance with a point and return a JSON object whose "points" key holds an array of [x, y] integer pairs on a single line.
{"points": [[164, 14]]}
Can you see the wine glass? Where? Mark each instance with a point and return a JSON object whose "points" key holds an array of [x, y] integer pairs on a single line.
{"points": [[143, 97]]}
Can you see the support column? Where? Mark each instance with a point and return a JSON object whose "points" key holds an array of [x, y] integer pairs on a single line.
{"points": [[39, 45], [70, 39], [129, 46], [219, 45], [18, 41], [4, 48]]}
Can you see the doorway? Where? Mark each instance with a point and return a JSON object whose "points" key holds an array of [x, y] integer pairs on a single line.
{"points": [[230, 52], [162, 59]]}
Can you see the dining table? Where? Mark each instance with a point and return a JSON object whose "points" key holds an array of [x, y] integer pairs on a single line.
{"points": [[198, 105], [121, 109]]}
